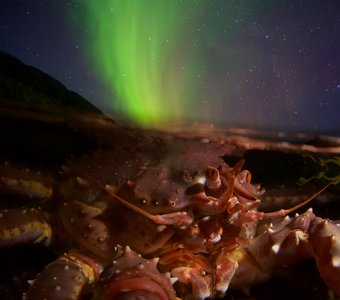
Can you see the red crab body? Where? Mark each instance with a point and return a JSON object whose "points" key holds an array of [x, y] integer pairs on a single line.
{"points": [[152, 215]]}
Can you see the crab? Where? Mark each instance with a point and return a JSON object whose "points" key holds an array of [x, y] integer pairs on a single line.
{"points": [[162, 216]]}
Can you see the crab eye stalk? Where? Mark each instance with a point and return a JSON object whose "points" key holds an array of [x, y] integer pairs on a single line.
{"points": [[213, 180]]}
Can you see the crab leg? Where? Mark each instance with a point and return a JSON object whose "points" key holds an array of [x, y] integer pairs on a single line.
{"points": [[24, 183], [285, 244], [240, 215], [64, 278], [24, 226], [325, 241], [132, 277], [254, 261]]}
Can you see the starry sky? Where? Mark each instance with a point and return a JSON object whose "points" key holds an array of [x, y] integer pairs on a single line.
{"points": [[266, 64]]}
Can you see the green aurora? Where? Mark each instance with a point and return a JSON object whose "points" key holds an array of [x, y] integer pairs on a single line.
{"points": [[146, 53]]}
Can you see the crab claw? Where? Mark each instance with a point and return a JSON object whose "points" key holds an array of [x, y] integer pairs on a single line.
{"points": [[199, 280], [133, 277], [325, 240], [192, 270]]}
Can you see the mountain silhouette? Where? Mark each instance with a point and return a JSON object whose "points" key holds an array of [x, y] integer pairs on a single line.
{"points": [[27, 85]]}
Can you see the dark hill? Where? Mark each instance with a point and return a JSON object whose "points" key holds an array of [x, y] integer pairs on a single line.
{"points": [[29, 86]]}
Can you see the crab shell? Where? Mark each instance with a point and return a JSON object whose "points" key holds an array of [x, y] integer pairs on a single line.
{"points": [[157, 177], [154, 176]]}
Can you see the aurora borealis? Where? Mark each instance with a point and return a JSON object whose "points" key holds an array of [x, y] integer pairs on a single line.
{"points": [[264, 64], [144, 50]]}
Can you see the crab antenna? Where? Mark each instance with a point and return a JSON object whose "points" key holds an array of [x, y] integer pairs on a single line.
{"points": [[181, 219], [284, 212], [136, 209]]}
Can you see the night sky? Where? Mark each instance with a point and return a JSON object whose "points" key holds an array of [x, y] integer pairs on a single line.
{"points": [[260, 64]]}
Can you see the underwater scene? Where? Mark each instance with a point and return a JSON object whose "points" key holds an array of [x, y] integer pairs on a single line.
{"points": [[170, 149]]}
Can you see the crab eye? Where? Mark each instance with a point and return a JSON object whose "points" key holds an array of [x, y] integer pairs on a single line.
{"points": [[244, 176], [248, 177], [213, 179]]}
